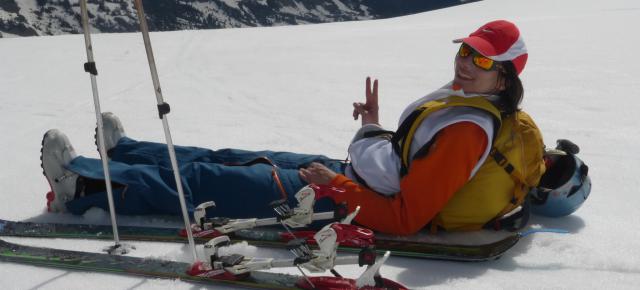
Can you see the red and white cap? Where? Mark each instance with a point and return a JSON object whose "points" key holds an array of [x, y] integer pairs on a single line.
{"points": [[499, 40]]}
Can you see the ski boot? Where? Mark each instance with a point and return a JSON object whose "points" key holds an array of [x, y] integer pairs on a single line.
{"points": [[55, 155], [113, 131]]}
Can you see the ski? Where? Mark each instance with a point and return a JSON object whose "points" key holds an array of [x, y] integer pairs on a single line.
{"points": [[419, 246], [263, 232], [156, 268], [97, 262], [236, 269]]}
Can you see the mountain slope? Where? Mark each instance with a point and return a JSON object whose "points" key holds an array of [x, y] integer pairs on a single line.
{"points": [[52, 17]]}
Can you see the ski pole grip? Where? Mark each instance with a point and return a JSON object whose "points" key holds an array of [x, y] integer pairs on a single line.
{"points": [[163, 109]]}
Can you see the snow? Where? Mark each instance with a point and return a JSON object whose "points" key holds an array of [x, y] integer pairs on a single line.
{"points": [[341, 5], [299, 9], [232, 3], [291, 88]]}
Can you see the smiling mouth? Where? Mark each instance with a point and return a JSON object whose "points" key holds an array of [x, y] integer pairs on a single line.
{"points": [[463, 76]]}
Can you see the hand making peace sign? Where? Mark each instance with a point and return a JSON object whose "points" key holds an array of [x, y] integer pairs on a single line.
{"points": [[368, 110]]}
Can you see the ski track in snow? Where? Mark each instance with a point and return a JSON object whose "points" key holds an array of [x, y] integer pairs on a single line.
{"points": [[291, 88]]}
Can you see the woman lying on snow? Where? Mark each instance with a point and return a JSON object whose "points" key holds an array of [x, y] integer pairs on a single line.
{"points": [[462, 158]]}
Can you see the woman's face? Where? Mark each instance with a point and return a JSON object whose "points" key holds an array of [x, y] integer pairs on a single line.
{"points": [[473, 79]]}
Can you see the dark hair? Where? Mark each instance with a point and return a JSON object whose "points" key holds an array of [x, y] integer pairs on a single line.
{"points": [[513, 92]]}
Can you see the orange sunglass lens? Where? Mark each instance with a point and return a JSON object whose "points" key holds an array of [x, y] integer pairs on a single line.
{"points": [[464, 51], [483, 62]]}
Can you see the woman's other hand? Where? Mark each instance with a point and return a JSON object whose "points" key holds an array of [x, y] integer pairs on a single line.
{"points": [[317, 173], [368, 110]]}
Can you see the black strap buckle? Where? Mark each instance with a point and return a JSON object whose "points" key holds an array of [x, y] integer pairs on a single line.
{"points": [[163, 109], [91, 68]]}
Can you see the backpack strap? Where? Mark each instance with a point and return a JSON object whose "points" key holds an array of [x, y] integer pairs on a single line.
{"points": [[506, 165], [402, 134]]}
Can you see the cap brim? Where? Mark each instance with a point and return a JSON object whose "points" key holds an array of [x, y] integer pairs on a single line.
{"points": [[479, 44]]}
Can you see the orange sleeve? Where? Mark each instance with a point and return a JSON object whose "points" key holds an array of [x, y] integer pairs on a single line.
{"points": [[431, 181]]}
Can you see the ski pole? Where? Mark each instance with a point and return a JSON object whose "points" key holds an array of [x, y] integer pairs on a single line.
{"points": [[90, 67], [163, 110]]}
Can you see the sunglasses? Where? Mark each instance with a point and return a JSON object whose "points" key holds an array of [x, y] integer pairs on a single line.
{"points": [[479, 60]]}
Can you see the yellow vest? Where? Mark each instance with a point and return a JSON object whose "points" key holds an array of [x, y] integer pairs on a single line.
{"points": [[514, 165]]}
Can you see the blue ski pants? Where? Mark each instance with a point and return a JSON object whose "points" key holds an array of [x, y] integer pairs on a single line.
{"points": [[145, 184]]}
